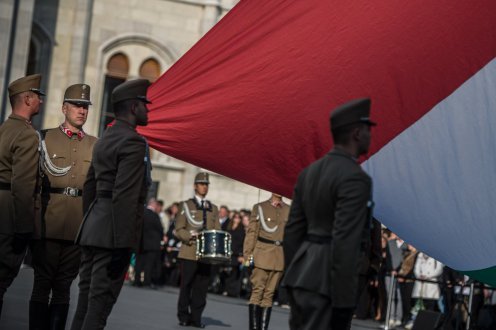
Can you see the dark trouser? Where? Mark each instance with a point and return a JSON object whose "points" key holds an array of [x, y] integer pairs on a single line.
{"points": [[97, 291], [10, 263], [56, 265], [195, 277], [313, 311], [406, 289], [147, 262], [233, 282]]}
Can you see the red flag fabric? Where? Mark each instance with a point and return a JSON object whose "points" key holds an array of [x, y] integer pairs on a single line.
{"points": [[251, 99]]}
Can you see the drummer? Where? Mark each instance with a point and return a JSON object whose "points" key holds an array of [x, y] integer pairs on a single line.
{"points": [[195, 215]]}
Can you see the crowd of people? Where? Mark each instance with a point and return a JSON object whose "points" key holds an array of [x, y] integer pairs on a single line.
{"points": [[412, 281]]}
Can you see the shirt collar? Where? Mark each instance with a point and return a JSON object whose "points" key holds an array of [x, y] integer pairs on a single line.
{"points": [[80, 135], [276, 203]]}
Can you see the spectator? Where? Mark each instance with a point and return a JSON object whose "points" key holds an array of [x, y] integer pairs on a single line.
{"points": [[427, 268], [233, 281], [395, 249], [406, 281], [225, 222], [148, 260]]}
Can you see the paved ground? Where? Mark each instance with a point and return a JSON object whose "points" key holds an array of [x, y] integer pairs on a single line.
{"points": [[147, 309]]}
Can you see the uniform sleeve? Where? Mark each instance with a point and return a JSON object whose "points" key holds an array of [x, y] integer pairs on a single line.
{"points": [[126, 193], [23, 182], [89, 189], [350, 218], [296, 228], [180, 229], [251, 233]]}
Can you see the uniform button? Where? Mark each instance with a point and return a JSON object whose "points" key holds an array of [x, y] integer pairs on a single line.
{"points": [[73, 176], [73, 163], [74, 149]]}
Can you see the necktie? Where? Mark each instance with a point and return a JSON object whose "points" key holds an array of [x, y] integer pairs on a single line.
{"points": [[203, 206]]}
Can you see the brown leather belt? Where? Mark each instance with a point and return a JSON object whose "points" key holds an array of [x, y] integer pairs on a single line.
{"points": [[5, 186], [269, 241]]}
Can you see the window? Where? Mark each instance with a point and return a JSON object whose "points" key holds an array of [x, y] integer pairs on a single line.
{"points": [[117, 72], [150, 69]]}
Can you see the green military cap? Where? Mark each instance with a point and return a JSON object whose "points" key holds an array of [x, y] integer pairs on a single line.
{"points": [[78, 94], [24, 84], [202, 177], [132, 89], [355, 111]]}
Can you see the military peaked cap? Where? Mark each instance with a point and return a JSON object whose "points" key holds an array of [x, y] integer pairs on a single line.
{"points": [[355, 111], [78, 94], [29, 83], [202, 177], [132, 89]]}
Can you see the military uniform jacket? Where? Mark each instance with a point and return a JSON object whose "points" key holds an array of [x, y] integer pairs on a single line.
{"points": [[118, 166], [19, 168], [62, 214], [191, 219], [268, 224], [332, 198]]}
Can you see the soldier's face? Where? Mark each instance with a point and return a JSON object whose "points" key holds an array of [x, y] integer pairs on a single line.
{"points": [[201, 189], [34, 100], [364, 139], [141, 112], [75, 114]]}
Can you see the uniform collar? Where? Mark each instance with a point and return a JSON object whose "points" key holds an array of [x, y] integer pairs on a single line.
{"points": [[80, 135], [17, 117], [339, 152]]}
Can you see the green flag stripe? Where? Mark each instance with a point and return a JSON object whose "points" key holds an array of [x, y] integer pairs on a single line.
{"points": [[487, 275]]}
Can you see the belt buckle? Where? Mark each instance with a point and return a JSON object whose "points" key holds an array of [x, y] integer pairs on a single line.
{"points": [[70, 191], [278, 243]]}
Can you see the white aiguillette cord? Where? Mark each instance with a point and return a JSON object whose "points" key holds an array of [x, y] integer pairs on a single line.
{"points": [[190, 219], [47, 163]]}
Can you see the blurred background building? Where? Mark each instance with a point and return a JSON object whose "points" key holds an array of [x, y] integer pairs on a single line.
{"points": [[103, 43]]}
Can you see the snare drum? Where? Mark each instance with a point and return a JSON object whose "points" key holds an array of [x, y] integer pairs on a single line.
{"points": [[213, 246]]}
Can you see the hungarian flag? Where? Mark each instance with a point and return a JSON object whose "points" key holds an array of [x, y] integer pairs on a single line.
{"points": [[251, 100]]}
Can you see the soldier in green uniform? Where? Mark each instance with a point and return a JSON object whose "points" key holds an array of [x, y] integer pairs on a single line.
{"points": [[18, 177], [65, 157], [113, 203], [263, 243], [195, 215], [327, 238]]}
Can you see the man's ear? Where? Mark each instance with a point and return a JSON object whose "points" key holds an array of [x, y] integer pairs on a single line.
{"points": [[355, 133], [26, 98]]}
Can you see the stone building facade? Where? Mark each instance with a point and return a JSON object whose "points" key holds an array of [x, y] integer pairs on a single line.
{"points": [[103, 43]]}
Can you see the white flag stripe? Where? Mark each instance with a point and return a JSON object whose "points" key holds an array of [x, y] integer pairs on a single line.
{"points": [[435, 184]]}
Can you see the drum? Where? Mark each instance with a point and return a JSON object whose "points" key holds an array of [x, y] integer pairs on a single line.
{"points": [[213, 247]]}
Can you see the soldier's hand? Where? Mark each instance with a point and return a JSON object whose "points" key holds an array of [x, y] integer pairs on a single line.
{"points": [[119, 263], [20, 242]]}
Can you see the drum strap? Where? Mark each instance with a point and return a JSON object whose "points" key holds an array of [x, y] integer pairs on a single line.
{"points": [[262, 222]]}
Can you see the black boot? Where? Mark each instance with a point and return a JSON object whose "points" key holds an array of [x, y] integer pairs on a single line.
{"points": [[58, 316], [265, 317], [255, 317], [38, 316]]}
